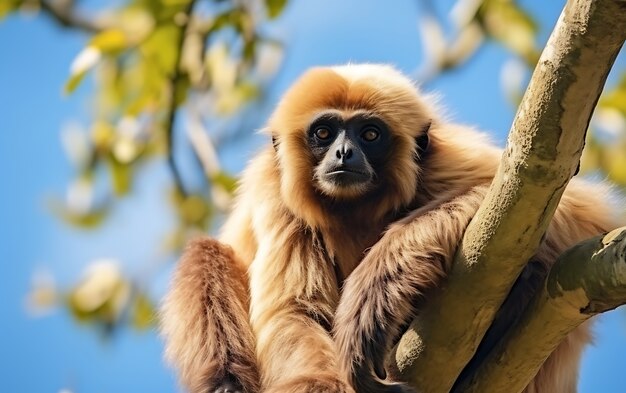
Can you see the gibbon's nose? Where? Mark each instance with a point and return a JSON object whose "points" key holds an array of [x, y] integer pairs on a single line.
{"points": [[344, 152]]}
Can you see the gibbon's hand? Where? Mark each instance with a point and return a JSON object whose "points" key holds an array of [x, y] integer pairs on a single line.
{"points": [[364, 321], [228, 386]]}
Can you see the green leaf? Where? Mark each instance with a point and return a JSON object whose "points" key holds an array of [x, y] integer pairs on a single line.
{"points": [[182, 87], [228, 182], [73, 82], [89, 220], [99, 298], [110, 41], [161, 48], [275, 7], [509, 24], [143, 312], [8, 6], [249, 50], [195, 210], [221, 20], [248, 90], [121, 176]]}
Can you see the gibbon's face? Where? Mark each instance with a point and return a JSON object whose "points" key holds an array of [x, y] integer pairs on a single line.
{"points": [[351, 133], [348, 151]]}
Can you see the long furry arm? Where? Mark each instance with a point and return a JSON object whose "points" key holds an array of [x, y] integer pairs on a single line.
{"points": [[294, 294], [379, 296], [204, 321]]}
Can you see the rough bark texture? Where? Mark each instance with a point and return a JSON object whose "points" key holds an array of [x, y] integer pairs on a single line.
{"points": [[588, 279], [542, 154]]}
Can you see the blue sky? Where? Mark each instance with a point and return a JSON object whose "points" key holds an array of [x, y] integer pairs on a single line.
{"points": [[47, 354]]}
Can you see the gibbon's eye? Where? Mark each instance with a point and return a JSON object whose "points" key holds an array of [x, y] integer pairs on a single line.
{"points": [[370, 134], [323, 133]]}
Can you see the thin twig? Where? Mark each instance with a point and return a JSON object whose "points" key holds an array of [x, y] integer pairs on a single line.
{"points": [[202, 145], [173, 93], [65, 15]]}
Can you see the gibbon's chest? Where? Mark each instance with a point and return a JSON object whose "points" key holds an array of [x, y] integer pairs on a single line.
{"points": [[348, 244]]}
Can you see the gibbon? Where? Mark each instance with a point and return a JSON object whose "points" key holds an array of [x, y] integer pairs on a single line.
{"points": [[341, 226]]}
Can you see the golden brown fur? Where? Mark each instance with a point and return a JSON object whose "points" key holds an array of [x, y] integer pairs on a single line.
{"points": [[322, 308], [210, 295]]}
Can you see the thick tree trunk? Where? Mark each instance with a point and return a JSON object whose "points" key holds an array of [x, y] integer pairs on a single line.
{"points": [[588, 279], [542, 154]]}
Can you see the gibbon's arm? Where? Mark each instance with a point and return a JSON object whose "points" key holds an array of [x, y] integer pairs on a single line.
{"points": [[294, 294], [205, 316], [379, 297], [204, 320]]}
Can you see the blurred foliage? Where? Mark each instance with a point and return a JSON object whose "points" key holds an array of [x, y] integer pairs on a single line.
{"points": [[104, 298], [506, 23], [151, 60], [151, 63], [474, 23]]}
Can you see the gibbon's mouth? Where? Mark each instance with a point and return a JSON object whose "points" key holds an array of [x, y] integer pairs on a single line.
{"points": [[347, 177]]}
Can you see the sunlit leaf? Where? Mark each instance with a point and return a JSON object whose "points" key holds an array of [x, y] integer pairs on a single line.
{"points": [[102, 294], [73, 82], [121, 176], [82, 63], [135, 22], [248, 90], [102, 135], [193, 56], [228, 182], [90, 220], [143, 312], [467, 43], [182, 87], [506, 22], [242, 23], [125, 150], [87, 220], [161, 49], [147, 82], [249, 50], [221, 68], [195, 210], [8, 6], [110, 41], [232, 100], [275, 7], [220, 21]]}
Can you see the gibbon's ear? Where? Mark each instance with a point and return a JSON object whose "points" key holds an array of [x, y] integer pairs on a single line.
{"points": [[423, 140], [275, 142]]}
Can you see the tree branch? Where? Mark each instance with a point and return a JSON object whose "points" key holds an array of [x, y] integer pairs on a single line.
{"points": [[65, 15], [174, 93], [586, 280], [542, 154]]}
